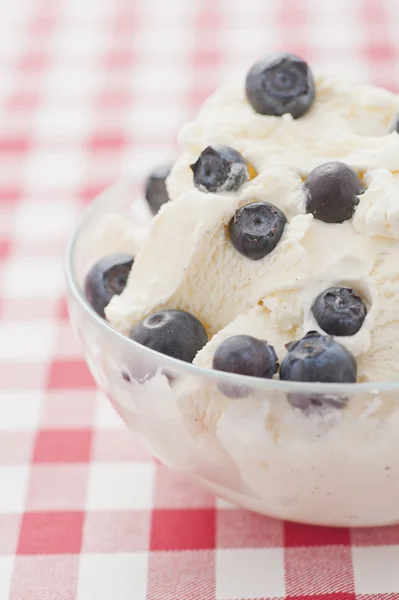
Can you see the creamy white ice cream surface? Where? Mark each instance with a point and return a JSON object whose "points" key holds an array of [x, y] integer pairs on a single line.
{"points": [[188, 262]]}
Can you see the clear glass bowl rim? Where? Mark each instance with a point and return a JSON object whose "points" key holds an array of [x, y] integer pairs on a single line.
{"points": [[267, 385]]}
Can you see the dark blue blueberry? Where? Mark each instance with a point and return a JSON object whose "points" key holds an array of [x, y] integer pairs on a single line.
{"points": [[244, 355], [318, 358], [332, 191], [155, 188], [339, 311], [256, 229], [220, 168], [173, 332], [107, 278], [280, 83]]}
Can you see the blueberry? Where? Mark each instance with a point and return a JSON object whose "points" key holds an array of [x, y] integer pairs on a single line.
{"points": [[107, 278], [156, 193], [220, 168], [173, 332], [280, 83], [244, 355], [318, 358], [332, 191], [256, 229], [339, 311]]}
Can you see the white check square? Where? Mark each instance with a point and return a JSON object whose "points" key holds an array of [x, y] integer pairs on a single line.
{"points": [[11, 45], [121, 486], [72, 82], [138, 161], [20, 410], [148, 118], [16, 13], [171, 76], [55, 169], [26, 340], [78, 42], [249, 573], [56, 121], [28, 278], [6, 569], [106, 416], [92, 12], [55, 218], [119, 576], [13, 486], [375, 569]]}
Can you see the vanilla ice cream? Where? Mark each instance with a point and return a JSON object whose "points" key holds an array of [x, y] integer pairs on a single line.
{"points": [[187, 262]]}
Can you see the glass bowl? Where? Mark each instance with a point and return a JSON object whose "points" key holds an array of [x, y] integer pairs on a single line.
{"points": [[322, 465]]}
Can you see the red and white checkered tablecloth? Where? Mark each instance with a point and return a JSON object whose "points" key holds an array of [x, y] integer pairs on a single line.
{"points": [[91, 90]]}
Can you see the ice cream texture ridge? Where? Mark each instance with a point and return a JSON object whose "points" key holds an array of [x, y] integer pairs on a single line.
{"points": [[188, 262]]}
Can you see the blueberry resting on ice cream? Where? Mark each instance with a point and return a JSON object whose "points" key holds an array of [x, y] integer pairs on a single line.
{"points": [[318, 358], [173, 332], [246, 355], [107, 278], [332, 191], [339, 311], [220, 168], [280, 83], [256, 229], [156, 193]]}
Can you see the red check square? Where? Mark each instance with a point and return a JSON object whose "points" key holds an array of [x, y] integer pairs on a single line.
{"points": [[328, 596], [183, 529], [57, 445], [296, 534], [51, 533], [4, 249], [62, 312], [14, 144], [69, 374]]}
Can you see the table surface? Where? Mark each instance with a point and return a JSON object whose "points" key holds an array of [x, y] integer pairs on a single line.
{"points": [[91, 90]]}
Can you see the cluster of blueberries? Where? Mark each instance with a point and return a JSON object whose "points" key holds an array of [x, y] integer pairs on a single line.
{"points": [[278, 84]]}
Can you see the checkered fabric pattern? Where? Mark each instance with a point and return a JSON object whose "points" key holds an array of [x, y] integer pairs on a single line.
{"points": [[91, 90]]}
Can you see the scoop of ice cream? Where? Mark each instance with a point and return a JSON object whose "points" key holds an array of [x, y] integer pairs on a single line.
{"points": [[274, 451], [351, 124], [188, 261]]}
